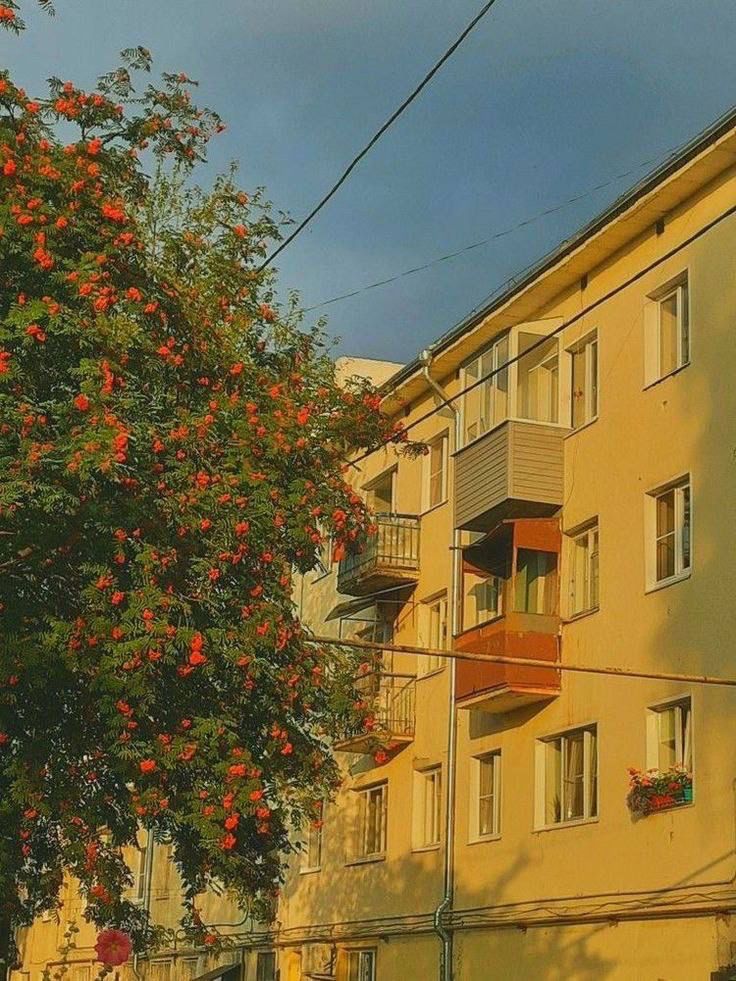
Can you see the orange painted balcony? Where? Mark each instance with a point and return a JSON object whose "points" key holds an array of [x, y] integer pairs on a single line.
{"points": [[510, 609], [389, 558]]}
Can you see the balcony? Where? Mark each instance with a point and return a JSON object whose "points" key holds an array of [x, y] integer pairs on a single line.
{"points": [[388, 559], [514, 470], [510, 608], [390, 700]]}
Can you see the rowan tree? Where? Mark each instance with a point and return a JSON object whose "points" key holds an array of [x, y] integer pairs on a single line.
{"points": [[172, 448]]}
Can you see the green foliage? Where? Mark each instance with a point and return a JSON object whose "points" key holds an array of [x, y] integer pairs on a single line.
{"points": [[172, 448]]}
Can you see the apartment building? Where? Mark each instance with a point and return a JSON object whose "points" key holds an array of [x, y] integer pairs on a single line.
{"points": [[574, 509]]}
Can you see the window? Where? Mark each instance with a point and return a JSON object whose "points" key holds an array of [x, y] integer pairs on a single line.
{"points": [[266, 965], [536, 581], [669, 736], [567, 777], [538, 371], [584, 392], [312, 855], [482, 598], [487, 404], [361, 965], [486, 806], [435, 631], [380, 493], [670, 556], [139, 876], [667, 325], [584, 571], [427, 807], [372, 818], [435, 473]]}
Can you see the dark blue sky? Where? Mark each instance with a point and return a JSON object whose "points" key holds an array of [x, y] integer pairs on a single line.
{"points": [[546, 99]]}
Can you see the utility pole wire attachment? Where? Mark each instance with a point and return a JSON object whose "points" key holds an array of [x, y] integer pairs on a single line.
{"points": [[374, 139]]}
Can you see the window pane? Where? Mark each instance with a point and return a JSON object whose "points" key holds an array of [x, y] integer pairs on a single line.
{"points": [[488, 789], [593, 771], [552, 781], [684, 324], [501, 381], [685, 496], [594, 569], [593, 371], [668, 331], [579, 387], [536, 581], [573, 784], [667, 738]]}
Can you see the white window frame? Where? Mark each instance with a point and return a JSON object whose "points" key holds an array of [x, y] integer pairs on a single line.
{"points": [[679, 286], [591, 802], [360, 964], [492, 759], [431, 663], [682, 487], [684, 732], [590, 601], [588, 346], [497, 364], [364, 794], [427, 809], [443, 442]]}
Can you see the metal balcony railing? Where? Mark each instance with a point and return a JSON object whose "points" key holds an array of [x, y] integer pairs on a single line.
{"points": [[391, 554], [390, 702]]}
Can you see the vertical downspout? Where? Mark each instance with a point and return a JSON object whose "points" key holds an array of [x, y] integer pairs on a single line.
{"points": [[446, 953]]}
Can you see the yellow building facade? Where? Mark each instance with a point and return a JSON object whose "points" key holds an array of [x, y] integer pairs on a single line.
{"points": [[573, 509]]}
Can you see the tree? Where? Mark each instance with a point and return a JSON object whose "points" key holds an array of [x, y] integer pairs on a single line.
{"points": [[172, 447]]}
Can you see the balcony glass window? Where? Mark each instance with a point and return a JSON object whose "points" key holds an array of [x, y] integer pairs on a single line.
{"points": [[584, 392], [538, 396], [486, 405], [568, 773], [482, 598], [536, 582]]}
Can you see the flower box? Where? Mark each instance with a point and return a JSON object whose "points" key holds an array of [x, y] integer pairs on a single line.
{"points": [[658, 790]]}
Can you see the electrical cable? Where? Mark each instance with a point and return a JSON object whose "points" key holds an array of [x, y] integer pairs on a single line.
{"points": [[377, 136], [558, 330], [486, 241]]}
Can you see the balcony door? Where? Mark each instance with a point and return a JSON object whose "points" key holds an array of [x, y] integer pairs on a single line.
{"points": [[380, 493]]}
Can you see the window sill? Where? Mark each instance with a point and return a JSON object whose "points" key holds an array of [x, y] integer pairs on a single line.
{"points": [[580, 428], [317, 868], [426, 848], [670, 374], [483, 839], [434, 507], [581, 822], [582, 615], [655, 587], [367, 860]]}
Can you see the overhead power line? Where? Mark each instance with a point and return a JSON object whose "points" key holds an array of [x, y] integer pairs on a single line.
{"points": [[492, 238], [560, 329], [531, 662], [374, 139]]}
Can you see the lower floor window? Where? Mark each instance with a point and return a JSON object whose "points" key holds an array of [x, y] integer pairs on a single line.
{"points": [[266, 965], [361, 965], [567, 777], [669, 736]]}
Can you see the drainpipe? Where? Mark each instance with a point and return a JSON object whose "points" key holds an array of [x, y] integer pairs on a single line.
{"points": [[446, 954], [147, 884]]}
